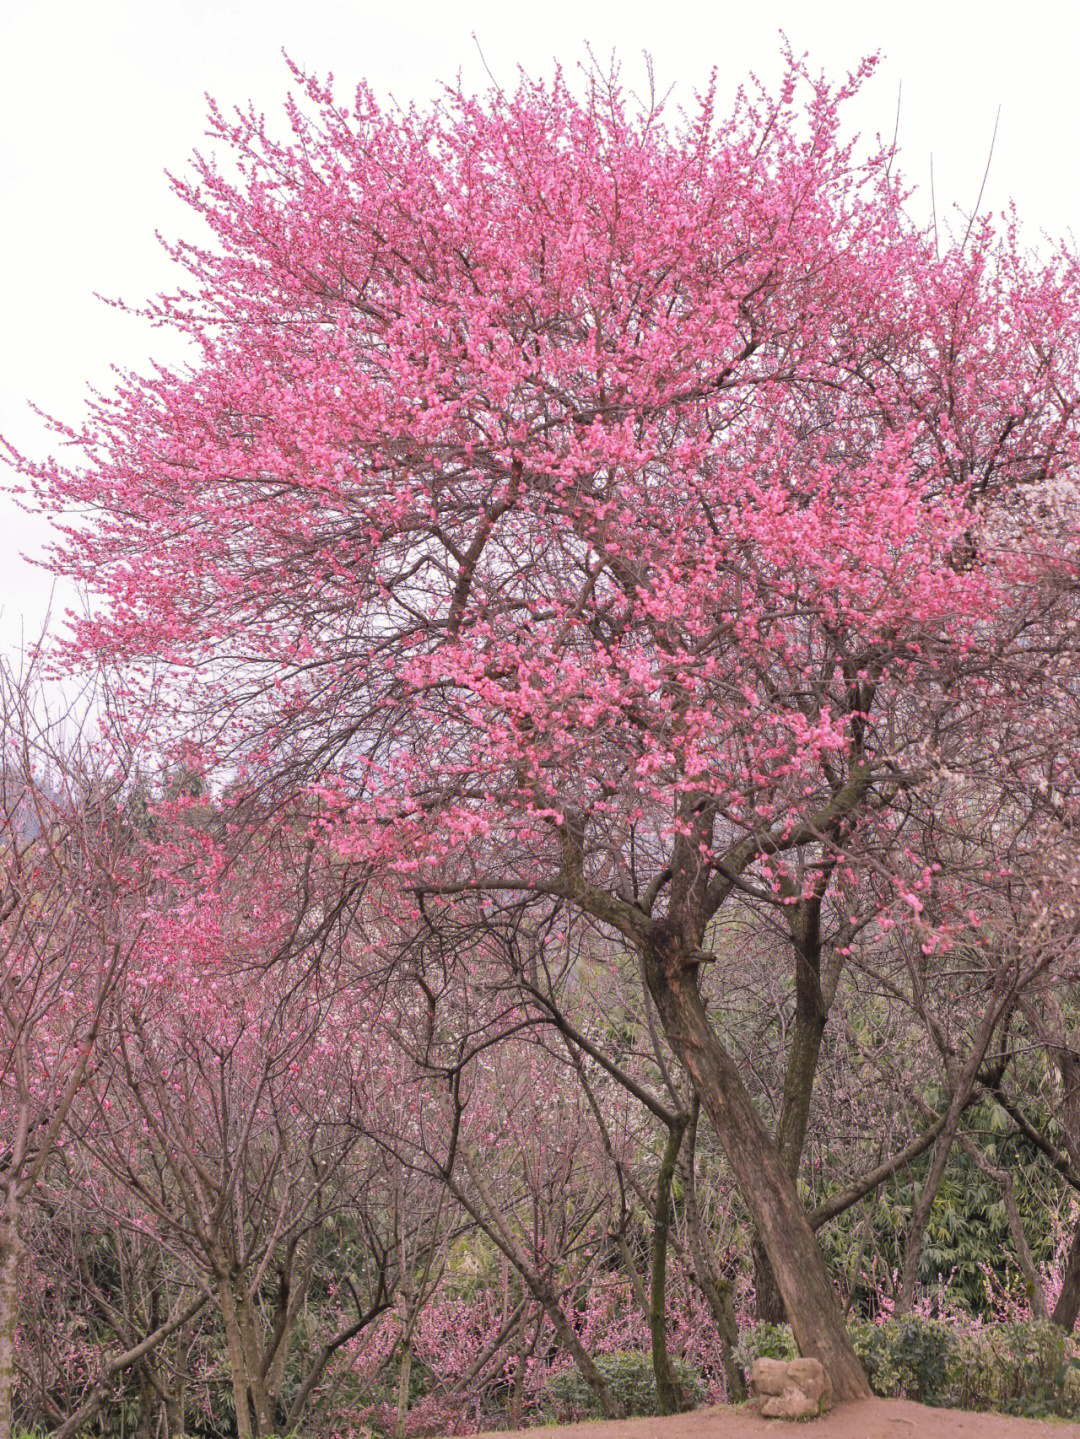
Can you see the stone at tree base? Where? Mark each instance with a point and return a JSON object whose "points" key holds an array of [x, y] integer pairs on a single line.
{"points": [[790, 1389], [792, 1404], [809, 1376], [768, 1376]]}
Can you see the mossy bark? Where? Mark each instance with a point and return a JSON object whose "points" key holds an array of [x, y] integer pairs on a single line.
{"points": [[667, 1388]]}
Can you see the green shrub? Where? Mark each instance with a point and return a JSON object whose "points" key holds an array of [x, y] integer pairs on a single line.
{"points": [[630, 1378], [765, 1341], [1028, 1369], [872, 1343], [922, 1354]]}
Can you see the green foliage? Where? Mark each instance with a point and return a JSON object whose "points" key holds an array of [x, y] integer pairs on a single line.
{"points": [[765, 1341], [872, 1344], [472, 1267], [968, 1247], [909, 1357], [1028, 1369], [630, 1378]]}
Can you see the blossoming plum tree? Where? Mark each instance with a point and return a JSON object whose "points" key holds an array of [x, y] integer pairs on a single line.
{"points": [[590, 507]]}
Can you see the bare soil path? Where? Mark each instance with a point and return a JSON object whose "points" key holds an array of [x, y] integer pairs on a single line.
{"points": [[866, 1419]]}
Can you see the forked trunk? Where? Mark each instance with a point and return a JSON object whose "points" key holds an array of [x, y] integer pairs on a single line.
{"points": [[765, 1185]]}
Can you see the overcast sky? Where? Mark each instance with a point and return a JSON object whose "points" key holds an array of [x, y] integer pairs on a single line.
{"points": [[99, 98]]}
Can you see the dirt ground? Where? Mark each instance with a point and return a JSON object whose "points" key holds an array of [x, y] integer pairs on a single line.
{"points": [[866, 1419]]}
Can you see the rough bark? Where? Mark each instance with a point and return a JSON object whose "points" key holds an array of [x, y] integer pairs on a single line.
{"points": [[764, 1182], [667, 1389], [144, 1428], [811, 1014], [1068, 1305], [175, 1410], [260, 1399], [237, 1362]]}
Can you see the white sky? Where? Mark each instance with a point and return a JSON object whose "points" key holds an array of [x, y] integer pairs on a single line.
{"points": [[100, 97]]}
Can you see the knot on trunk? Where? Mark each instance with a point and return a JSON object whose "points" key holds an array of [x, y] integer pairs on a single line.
{"points": [[671, 954]]}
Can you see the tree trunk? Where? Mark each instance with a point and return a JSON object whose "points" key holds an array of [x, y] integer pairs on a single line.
{"points": [[667, 1388], [572, 1344], [144, 1427], [10, 1256], [768, 1301], [715, 1288], [404, 1375], [811, 1014], [1060, 1045], [916, 1231], [764, 1182], [260, 1399], [517, 1386], [175, 1409], [1068, 1303], [237, 1363]]}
